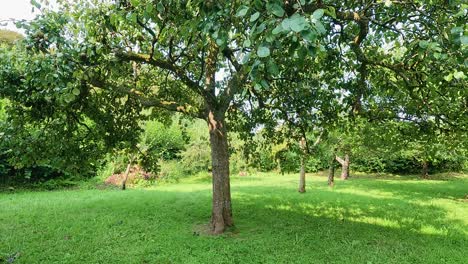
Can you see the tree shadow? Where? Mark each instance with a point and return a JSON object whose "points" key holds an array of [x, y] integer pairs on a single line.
{"points": [[274, 224], [353, 226], [415, 189]]}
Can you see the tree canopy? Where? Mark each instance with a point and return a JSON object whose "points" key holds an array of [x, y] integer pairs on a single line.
{"points": [[90, 71]]}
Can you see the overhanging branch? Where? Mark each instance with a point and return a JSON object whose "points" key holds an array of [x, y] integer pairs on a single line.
{"points": [[166, 65], [149, 101]]}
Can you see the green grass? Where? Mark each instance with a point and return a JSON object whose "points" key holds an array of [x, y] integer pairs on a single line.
{"points": [[363, 220]]}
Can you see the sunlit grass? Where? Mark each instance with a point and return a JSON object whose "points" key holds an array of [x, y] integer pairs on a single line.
{"points": [[393, 219]]}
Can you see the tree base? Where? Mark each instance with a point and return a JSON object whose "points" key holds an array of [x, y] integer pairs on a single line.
{"points": [[219, 227]]}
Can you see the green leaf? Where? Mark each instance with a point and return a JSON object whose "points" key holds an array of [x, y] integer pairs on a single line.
{"points": [[320, 28], [76, 91], [247, 43], [278, 29], [260, 28], [423, 44], [135, 3], [456, 30], [254, 17], [330, 11], [297, 23], [464, 40], [160, 7], [69, 98], [114, 19], [318, 14], [132, 17], [272, 68], [220, 41], [309, 35], [245, 58], [263, 52], [35, 4], [242, 11], [459, 75], [449, 77], [285, 24], [149, 8], [277, 10], [264, 84]]}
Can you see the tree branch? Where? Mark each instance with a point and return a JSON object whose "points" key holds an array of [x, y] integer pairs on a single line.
{"points": [[166, 65], [152, 102]]}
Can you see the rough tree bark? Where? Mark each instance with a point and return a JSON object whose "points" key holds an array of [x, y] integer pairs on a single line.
{"points": [[222, 211], [344, 166], [331, 172], [302, 145]]}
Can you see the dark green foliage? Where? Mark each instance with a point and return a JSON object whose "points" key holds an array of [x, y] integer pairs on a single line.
{"points": [[196, 156], [405, 165], [288, 161], [162, 140]]}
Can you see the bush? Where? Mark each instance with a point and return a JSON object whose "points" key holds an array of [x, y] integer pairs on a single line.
{"points": [[288, 161], [172, 171], [196, 157], [162, 141]]}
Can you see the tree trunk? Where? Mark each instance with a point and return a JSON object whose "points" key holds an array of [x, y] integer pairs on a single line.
{"points": [[344, 166], [127, 171], [302, 176], [221, 212], [302, 173], [331, 172], [425, 169]]}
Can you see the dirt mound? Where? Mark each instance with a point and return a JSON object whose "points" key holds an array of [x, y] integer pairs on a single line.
{"points": [[136, 175]]}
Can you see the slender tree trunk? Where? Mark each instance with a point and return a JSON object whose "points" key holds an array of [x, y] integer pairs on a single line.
{"points": [[344, 166], [331, 172], [425, 169], [222, 211], [302, 184], [127, 172], [302, 176]]}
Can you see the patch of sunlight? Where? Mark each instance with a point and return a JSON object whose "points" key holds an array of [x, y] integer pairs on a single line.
{"points": [[454, 210], [322, 210], [431, 230], [281, 207], [385, 222], [183, 188], [371, 193]]}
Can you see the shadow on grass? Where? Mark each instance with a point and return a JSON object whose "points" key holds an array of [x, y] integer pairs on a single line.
{"points": [[415, 189], [273, 225]]}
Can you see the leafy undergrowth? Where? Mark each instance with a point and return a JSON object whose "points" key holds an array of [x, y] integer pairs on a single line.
{"points": [[362, 220]]}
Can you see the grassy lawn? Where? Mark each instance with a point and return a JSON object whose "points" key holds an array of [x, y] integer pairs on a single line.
{"points": [[363, 220]]}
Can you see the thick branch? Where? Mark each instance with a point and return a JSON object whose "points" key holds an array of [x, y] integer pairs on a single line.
{"points": [[340, 160], [166, 65], [235, 84], [152, 102], [171, 106]]}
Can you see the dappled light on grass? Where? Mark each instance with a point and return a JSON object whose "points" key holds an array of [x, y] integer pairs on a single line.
{"points": [[356, 222]]}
